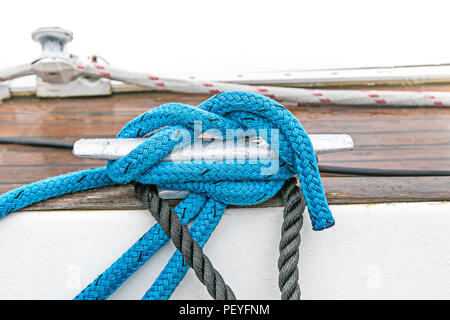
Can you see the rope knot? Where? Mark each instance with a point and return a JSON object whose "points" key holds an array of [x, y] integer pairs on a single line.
{"points": [[212, 186], [172, 125]]}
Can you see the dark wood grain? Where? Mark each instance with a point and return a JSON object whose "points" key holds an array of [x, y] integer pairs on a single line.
{"points": [[338, 191], [392, 138]]}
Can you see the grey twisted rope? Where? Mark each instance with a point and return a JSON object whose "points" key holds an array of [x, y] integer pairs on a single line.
{"points": [[181, 238], [294, 206]]}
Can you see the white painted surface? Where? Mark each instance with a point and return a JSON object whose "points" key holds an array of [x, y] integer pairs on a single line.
{"points": [[216, 38], [386, 251]]}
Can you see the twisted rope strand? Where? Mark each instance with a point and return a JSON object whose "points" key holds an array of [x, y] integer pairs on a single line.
{"points": [[181, 238], [175, 270], [294, 206]]}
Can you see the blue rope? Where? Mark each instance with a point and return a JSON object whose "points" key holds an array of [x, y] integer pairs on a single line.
{"points": [[176, 268], [110, 280], [212, 185]]}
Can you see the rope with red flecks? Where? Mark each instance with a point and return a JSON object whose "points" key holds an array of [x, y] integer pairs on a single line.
{"points": [[303, 96]]}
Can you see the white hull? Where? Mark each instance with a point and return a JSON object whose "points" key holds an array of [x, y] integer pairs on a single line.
{"points": [[385, 251]]}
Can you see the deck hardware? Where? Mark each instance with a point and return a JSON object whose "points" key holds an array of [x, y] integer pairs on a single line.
{"points": [[59, 74], [56, 69], [53, 41], [113, 149], [211, 150]]}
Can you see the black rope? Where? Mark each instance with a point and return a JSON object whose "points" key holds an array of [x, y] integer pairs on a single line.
{"points": [[383, 172], [294, 206], [322, 168], [183, 241], [36, 142], [202, 266]]}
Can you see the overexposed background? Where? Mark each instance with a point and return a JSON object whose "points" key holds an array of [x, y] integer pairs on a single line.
{"points": [[223, 37]]}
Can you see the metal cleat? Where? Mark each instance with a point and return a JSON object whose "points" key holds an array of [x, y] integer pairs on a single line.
{"points": [[211, 149], [208, 149]]}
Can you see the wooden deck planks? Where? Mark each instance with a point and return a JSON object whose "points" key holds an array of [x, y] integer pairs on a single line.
{"points": [[348, 190], [393, 138]]}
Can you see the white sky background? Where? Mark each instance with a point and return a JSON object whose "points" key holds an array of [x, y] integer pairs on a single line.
{"points": [[211, 37]]}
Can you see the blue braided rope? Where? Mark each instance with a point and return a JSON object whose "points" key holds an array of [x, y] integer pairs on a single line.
{"points": [[154, 239], [277, 117], [104, 285], [53, 187], [176, 268], [167, 127]]}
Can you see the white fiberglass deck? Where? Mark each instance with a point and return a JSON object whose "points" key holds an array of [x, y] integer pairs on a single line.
{"points": [[383, 251]]}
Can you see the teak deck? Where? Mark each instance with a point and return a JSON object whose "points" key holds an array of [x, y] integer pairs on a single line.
{"points": [[384, 137]]}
